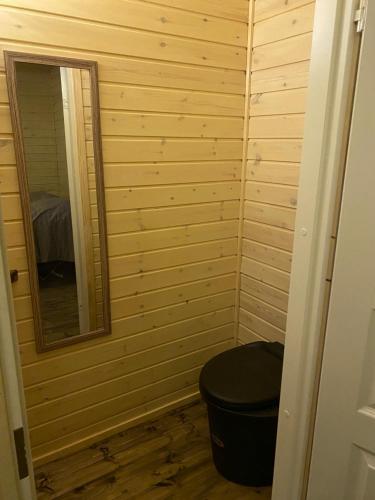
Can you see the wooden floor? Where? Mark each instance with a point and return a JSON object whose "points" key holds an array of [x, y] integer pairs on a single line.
{"points": [[168, 458], [59, 304]]}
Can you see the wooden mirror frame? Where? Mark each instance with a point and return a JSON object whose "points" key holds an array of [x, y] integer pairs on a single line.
{"points": [[11, 58]]}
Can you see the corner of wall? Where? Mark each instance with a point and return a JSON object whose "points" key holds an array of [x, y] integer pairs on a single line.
{"points": [[243, 171]]}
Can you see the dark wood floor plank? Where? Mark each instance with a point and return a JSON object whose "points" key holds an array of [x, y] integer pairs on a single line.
{"points": [[52, 477], [143, 467], [167, 458]]}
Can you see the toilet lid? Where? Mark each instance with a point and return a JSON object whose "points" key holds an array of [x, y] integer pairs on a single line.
{"points": [[244, 378]]}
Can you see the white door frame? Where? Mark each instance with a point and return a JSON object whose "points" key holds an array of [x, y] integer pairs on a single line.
{"points": [[12, 404], [333, 47], [343, 455]]}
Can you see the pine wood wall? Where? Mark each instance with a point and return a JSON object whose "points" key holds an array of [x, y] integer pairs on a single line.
{"points": [[172, 85], [39, 92], [172, 80], [281, 43]]}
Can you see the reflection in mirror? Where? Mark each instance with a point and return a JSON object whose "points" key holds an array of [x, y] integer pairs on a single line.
{"points": [[63, 200]]}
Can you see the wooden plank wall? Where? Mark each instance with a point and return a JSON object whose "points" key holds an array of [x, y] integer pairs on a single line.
{"points": [[281, 44], [172, 79], [60, 136], [41, 119]]}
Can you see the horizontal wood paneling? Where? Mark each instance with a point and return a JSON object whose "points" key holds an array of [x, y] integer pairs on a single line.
{"points": [[88, 396], [276, 173], [8, 179], [144, 241], [144, 282], [17, 258], [288, 150], [14, 234], [261, 327], [287, 51], [246, 336], [21, 286], [7, 156], [118, 423], [115, 348], [269, 8], [235, 9], [133, 321], [43, 131], [286, 25], [278, 103], [109, 408], [149, 17], [145, 150], [261, 309], [285, 126], [172, 85], [272, 215], [275, 257], [265, 273], [130, 198], [160, 259], [141, 174], [145, 72], [171, 125], [66, 387], [265, 292], [278, 88], [170, 296], [270, 235], [69, 33], [274, 194], [125, 97], [284, 77], [156, 218]]}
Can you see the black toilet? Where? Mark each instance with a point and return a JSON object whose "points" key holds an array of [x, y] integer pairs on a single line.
{"points": [[242, 389]]}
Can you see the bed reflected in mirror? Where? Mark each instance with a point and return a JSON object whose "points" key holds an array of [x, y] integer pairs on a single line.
{"points": [[55, 115]]}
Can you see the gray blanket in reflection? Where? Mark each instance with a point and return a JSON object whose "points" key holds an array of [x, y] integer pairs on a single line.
{"points": [[52, 224]]}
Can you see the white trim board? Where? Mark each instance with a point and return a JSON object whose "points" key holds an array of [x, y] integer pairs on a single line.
{"points": [[334, 38], [11, 393], [9, 484]]}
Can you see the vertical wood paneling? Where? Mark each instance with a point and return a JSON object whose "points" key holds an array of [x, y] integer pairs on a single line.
{"points": [[279, 76], [172, 85]]}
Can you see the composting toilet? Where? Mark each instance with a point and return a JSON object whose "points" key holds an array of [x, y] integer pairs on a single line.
{"points": [[241, 387]]}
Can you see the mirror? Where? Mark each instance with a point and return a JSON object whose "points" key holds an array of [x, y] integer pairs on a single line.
{"points": [[55, 114]]}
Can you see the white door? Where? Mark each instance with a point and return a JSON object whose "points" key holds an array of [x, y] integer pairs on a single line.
{"points": [[343, 458]]}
